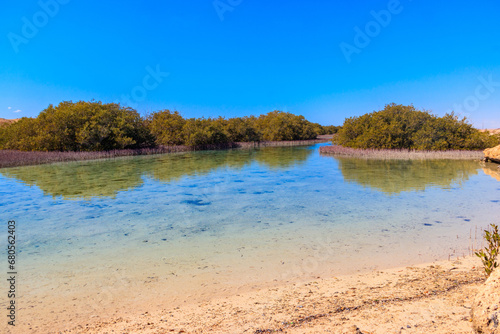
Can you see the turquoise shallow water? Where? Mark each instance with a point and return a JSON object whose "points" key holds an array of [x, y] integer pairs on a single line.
{"points": [[193, 223]]}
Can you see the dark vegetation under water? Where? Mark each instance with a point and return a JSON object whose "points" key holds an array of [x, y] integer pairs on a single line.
{"points": [[94, 126]]}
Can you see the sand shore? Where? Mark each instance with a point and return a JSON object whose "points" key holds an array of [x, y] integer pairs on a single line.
{"points": [[427, 298]]}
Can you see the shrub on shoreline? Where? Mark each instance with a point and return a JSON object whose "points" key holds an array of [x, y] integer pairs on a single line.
{"points": [[404, 127], [81, 126], [94, 126]]}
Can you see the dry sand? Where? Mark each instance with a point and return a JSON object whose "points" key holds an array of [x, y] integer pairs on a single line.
{"points": [[8, 121], [492, 131], [431, 298]]}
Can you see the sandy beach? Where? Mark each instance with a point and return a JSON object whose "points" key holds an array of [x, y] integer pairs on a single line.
{"points": [[427, 298]]}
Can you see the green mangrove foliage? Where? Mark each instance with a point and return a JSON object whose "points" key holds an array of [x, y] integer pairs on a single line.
{"points": [[169, 128], [80, 126], [326, 130], [166, 127], [404, 127], [95, 126], [279, 125], [489, 254], [242, 129]]}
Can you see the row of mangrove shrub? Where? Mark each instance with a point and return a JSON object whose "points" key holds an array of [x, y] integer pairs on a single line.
{"points": [[95, 126], [404, 127], [170, 128]]}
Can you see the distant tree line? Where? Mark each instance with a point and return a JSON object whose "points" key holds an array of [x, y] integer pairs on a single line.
{"points": [[95, 126], [404, 127]]}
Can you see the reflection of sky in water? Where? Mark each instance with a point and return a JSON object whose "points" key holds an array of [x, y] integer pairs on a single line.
{"points": [[210, 209]]}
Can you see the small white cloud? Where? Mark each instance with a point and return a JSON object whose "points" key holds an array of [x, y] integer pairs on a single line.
{"points": [[18, 110], [9, 108]]}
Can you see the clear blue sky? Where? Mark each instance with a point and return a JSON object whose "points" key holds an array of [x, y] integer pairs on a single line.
{"points": [[250, 57]]}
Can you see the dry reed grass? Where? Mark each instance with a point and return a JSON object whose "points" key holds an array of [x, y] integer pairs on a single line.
{"points": [[13, 158], [398, 154]]}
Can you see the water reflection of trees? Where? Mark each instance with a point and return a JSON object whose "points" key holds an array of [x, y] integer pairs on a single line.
{"points": [[169, 168], [84, 180], [283, 158], [395, 176], [105, 178]]}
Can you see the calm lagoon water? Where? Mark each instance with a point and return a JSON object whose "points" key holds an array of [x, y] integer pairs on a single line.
{"points": [[186, 225]]}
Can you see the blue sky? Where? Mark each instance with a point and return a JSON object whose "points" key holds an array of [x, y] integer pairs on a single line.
{"points": [[242, 57]]}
